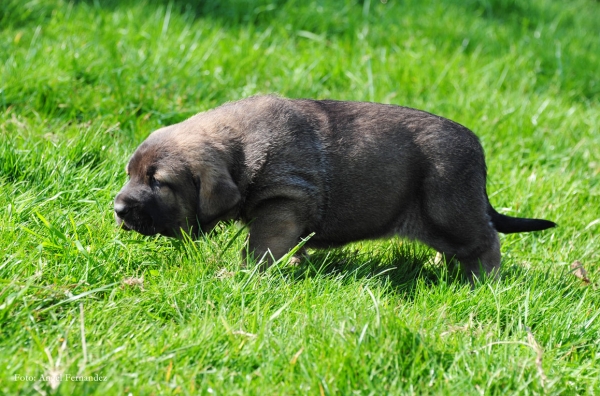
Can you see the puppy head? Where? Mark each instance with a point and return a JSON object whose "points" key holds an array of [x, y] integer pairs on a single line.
{"points": [[175, 185]]}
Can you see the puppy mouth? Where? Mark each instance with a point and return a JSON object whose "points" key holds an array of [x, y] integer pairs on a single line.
{"points": [[147, 226], [143, 229], [122, 225], [170, 233]]}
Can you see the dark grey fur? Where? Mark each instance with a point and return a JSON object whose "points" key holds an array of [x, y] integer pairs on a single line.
{"points": [[345, 171]]}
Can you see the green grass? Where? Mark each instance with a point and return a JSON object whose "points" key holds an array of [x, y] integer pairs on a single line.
{"points": [[83, 82]]}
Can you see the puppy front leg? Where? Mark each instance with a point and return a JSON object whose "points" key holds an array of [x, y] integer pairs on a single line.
{"points": [[275, 230]]}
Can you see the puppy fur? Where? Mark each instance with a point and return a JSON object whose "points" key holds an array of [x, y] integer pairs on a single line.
{"points": [[345, 171]]}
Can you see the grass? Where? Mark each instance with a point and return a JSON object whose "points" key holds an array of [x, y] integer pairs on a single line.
{"points": [[83, 82]]}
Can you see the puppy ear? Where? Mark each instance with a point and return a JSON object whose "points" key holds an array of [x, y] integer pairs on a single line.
{"points": [[218, 193]]}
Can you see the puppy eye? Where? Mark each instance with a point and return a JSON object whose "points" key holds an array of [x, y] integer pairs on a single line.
{"points": [[153, 182]]}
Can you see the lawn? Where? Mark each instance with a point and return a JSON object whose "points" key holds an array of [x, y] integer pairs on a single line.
{"points": [[88, 309]]}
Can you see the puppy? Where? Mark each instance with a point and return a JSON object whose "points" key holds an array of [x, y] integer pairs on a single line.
{"points": [[345, 171]]}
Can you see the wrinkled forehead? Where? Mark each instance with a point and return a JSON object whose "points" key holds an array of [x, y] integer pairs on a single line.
{"points": [[158, 159], [144, 159], [149, 157], [147, 154]]}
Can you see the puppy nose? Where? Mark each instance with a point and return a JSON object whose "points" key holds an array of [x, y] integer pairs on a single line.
{"points": [[121, 209]]}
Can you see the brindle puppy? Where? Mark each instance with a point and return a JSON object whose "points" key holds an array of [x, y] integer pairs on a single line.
{"points": [[344, 171]]}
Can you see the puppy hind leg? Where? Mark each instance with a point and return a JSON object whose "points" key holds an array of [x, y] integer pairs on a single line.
{"points": [[473, 261], [484, 259], [458, 225], [474, 246]]}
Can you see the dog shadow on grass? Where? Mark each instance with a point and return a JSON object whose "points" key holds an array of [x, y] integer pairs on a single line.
{"points": [[399, 265]]}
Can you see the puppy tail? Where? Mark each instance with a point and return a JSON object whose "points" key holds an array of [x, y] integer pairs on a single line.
{"points": [[508, 225]]}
